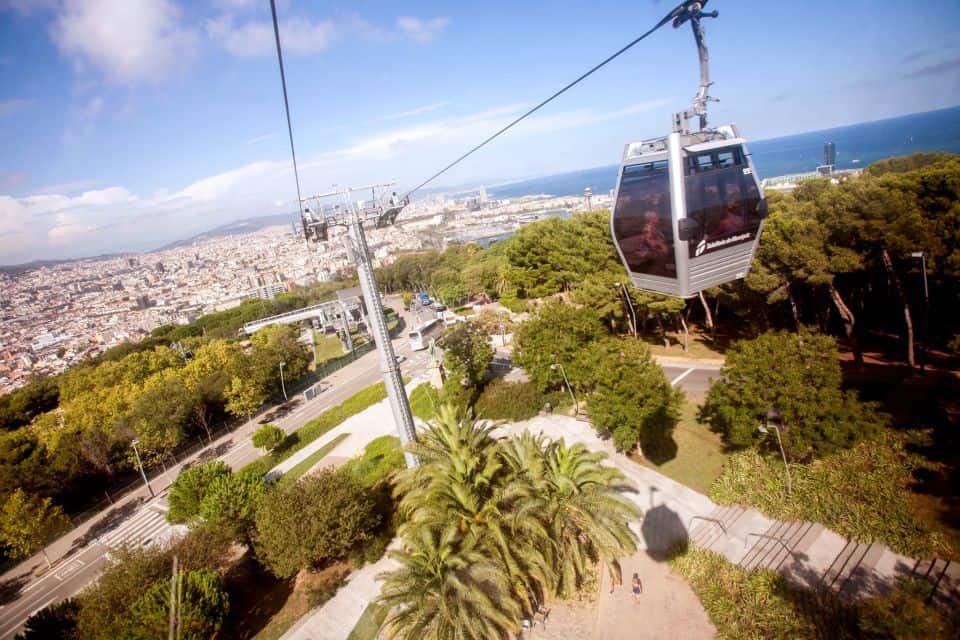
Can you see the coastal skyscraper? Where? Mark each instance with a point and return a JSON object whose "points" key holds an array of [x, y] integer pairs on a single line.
{"points": [[829, 154]]}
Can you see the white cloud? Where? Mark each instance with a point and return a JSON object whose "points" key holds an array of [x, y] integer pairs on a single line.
{"points": [[255, 37], [415, 112], [266, 136], [129, 41], [422, 31], [115, 219], [11, 106]]}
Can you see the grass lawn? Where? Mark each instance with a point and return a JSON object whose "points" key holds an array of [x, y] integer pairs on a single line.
{"points": [[308, 462], [699, 346], [327, 348], [317, 427], [369, 623], [700, 456]]}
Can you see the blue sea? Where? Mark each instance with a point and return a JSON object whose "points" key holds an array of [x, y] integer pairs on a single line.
{"points": [[857, 146]]}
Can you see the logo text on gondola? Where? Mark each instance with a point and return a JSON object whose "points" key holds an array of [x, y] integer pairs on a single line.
{"points": [[703, 245]]}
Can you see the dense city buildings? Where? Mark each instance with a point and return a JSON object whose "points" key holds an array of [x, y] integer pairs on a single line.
{"points": [[54, 316]]}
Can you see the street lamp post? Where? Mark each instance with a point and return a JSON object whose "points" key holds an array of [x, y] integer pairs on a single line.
{"points": [[566, 381], [771, 420], [142, 472], [283, 387], [633, 311], [926, 308]]}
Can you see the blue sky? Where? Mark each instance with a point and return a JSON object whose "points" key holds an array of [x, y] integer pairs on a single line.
{"points": [[128, 123]]}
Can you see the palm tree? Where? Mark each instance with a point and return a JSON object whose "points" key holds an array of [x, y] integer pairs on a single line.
{"points": [[447, 589], [494, 527], [586, 513]]}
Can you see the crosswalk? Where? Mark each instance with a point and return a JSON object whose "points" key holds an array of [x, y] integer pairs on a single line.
{"points": [[148, 526]]}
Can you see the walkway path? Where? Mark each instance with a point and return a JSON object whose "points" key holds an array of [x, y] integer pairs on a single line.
{"points": [[337, 617], [806, 553]]}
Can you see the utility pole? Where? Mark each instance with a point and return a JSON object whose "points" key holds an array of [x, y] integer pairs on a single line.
{"points": [[142, 472], [283, 387], [348, 214]]}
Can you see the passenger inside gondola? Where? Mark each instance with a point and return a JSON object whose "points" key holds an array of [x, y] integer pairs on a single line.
{"points": [[641, 221]]}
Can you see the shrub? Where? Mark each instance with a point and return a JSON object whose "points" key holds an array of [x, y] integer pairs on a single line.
{"points": [[799, 377], [188, 490], [268, 437], [317, 519], [863, 493], [514, 401], [761, 604]]}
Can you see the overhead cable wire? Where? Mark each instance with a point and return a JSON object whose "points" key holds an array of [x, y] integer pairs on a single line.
{"points": [[680, 10], [286, 102]]}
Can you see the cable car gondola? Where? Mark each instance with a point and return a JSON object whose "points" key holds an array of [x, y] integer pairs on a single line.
{"points": [[688, 208]]}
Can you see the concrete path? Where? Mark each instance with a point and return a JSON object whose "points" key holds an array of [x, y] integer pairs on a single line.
{"points": [[806, 553], [337, 617]]}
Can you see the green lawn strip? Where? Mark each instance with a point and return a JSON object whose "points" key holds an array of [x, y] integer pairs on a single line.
{"points": [[700, 456], [368, 626], [381, 457], [318, 426], [862, 493], [307, 463]]}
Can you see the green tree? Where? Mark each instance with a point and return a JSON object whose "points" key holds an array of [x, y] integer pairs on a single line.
{"points": [[105, 606], [531, 517], [55, 622], [27, 522], [231, 503], [319, 518], [557, 334], [203, 607], [191, 486], [798, 376], [268, 437], [159, 413], [632, 400], [467, 352]]}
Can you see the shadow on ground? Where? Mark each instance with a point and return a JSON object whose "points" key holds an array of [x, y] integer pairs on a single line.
{"points": [[108, 523]]}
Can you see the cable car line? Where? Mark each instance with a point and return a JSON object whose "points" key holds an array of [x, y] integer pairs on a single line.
{"points": [[286, 102], [680, 14]]}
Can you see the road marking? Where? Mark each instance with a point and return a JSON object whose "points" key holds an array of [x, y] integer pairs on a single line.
{"points": [[71, 568], [680, 377]]}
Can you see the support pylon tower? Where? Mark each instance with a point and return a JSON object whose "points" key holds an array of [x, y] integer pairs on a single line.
{"points": [[353, 216]]}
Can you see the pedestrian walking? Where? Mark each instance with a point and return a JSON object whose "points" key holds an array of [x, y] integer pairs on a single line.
{"points": [[637, 587]]}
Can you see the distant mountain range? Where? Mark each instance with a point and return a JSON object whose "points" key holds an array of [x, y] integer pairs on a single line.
{"points": [[237, 227]]}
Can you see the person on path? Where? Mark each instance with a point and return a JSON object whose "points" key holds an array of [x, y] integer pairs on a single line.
{"points": [[637, 587]]}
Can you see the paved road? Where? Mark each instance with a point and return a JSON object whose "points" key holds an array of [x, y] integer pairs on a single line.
{"points": [[138, 519]]}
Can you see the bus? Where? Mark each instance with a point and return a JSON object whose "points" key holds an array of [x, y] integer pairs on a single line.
{"points": [[421, 336]]}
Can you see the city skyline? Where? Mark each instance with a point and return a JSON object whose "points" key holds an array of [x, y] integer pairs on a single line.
{"points": [[116, 147]]}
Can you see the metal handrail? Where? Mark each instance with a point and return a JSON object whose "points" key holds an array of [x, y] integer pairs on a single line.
{"points": [[714, 520]]}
